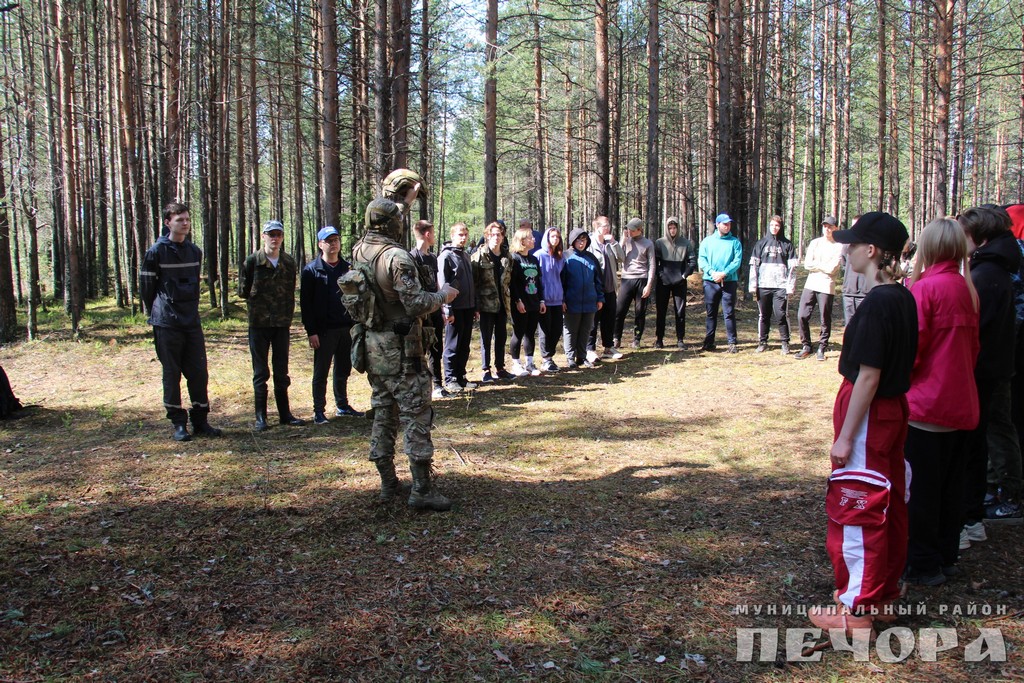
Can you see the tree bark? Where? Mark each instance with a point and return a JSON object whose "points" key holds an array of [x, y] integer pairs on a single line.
{"points": [[382, 86], [538, 121], [329, 112], [943, 76], [491, 116], [601, 184], [652, 208]]}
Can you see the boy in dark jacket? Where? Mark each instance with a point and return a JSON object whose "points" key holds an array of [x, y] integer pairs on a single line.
{"points": [[328, 325], [454, 269]]}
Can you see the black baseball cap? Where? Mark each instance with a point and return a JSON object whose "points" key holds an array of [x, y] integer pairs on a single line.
{"points": [[883, 230]]}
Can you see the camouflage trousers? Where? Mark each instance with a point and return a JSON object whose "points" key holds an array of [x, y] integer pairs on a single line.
{"points": [[401, 400]]}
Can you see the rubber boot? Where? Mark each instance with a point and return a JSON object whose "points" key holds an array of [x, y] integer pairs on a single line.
{"points": [[261, 412], [200, 422], [284, 412], [421, 497], [389, 483]]}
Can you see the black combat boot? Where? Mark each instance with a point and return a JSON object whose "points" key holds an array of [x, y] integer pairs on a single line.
{"points": [[389, 483], [421, 497]]}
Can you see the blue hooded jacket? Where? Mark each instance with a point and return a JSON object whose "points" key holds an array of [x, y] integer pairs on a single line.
{"points": [[582, 284]]}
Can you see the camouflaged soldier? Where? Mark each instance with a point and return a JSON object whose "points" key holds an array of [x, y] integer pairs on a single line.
{"points": [[395, 346], [267, 282]]}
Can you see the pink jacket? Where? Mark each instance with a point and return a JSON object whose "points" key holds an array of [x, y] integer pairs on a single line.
{"points": [[942, 387]]}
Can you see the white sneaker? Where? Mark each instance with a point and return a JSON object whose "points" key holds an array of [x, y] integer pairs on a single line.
{"points": [[517, 369], [965, 542], [976, 532], [531, 368], [592, 356], [613, 353]]}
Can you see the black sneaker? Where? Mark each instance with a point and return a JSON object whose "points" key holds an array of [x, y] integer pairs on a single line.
{"points": [[487, 378], [761, 348], [319, 418], [935, 578], [785, 348], [821, 353], [347, 411], [659, 344], [805, 352], [1005, 513], [951, 571], [504, 374], [709, 347]]}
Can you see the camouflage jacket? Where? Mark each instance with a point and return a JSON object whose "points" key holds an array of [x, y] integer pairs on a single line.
{"points": [[270, 291], [405, 301], [491, 295]]}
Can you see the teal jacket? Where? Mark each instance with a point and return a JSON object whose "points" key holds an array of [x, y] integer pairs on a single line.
{"points": [[721, 254]]}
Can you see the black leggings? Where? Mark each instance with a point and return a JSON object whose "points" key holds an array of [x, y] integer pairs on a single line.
{"points": [[524, 332]]}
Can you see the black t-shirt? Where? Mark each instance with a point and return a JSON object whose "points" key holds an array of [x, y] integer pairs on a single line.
{"points": [[882, 334]]}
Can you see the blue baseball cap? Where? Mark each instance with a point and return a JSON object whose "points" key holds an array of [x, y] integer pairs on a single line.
{"points": [[271, 226], [329, 231], [722, 218]]}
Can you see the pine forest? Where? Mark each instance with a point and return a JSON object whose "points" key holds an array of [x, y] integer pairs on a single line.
{"points": [[550, 110]]}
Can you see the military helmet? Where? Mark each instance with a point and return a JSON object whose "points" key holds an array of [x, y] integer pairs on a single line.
{"points": [[384, 216], [399, 181]]}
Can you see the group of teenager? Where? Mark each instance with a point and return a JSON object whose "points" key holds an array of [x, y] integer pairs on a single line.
{"points": [[579, 289], [927, 421]]}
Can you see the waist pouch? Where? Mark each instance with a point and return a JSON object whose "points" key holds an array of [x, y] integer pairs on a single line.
{"points": [[857, 498]]}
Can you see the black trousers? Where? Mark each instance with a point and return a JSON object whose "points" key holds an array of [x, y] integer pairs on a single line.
{"points": [[604, 320], [261, 341], [808, 300], [772, 307], [335, 348], [631, 292], [550, 325], [937, 462], [524, 332], [493, 326], [975, 477], [183, 352], [662, 294], [458, 336]]}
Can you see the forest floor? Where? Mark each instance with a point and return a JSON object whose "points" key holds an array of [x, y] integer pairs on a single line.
{"points": [[620, 523]]}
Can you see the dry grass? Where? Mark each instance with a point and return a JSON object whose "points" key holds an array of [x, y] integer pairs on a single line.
{"points": [[604, 519]]}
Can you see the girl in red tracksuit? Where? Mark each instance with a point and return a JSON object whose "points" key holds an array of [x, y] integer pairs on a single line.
{"points": [[866, 502]]}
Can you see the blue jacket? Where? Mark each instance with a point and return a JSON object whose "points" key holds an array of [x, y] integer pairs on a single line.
{"points": [[721, 254], [320, 297], [582, 283]]}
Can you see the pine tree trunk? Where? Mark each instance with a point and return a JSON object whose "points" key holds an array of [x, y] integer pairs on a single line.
{"points": [[491, 116], [943, 77], [652, 208], [602, 204], [538, 121]]}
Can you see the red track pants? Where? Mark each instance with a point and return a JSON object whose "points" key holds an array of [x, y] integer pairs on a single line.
{"points": [[869, 560]]}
